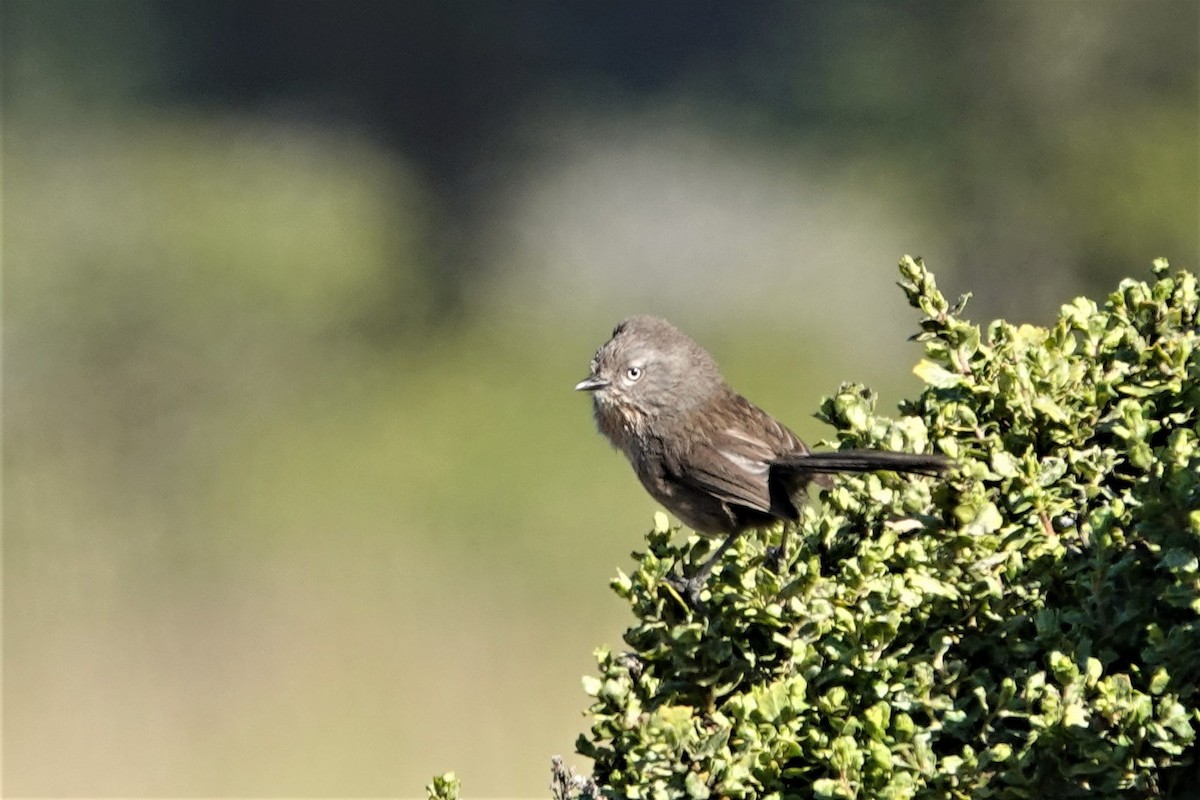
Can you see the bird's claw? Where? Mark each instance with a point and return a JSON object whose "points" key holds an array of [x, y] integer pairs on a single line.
{"points": [[687, 588], [776, 559]]}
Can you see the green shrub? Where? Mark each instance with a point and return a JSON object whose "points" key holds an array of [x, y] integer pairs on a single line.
{"points": [[1025, 627], [443, 787]]}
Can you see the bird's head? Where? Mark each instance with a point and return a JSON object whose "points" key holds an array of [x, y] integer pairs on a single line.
{"points": [[648, 369]]}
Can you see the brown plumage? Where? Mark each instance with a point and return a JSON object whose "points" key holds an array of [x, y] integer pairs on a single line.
{"points": [[710, 456]]}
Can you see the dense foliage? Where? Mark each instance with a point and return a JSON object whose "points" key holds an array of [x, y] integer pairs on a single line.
{"points": [[1028, 626]]}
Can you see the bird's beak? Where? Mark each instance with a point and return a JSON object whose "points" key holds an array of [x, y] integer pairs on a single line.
{"points": [[590, 384]]}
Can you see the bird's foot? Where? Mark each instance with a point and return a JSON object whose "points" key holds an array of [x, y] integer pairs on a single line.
{"points": [[687, 588], [776, 559]]}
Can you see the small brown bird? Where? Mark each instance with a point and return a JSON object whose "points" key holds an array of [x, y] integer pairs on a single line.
{"points": [[715, 460]]}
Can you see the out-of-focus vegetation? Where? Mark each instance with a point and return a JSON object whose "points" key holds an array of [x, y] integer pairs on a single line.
{"points": [[297, 497]]}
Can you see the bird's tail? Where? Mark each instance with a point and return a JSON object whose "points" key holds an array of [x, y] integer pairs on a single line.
{"points": [[865, 461]]}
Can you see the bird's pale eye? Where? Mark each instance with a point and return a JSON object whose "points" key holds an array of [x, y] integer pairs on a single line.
{"points": [[633, 373]]}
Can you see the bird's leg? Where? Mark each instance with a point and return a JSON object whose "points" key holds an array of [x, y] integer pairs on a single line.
{"points": [[777, 556], [690, 587], [707, 568]]}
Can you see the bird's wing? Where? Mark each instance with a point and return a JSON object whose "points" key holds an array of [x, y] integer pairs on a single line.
{"points": [[731, 465]]}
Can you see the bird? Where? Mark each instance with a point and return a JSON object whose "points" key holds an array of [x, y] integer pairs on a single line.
{"points": [[708, 455]]}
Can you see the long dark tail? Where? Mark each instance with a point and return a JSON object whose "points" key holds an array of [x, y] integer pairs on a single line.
{"points": [[865, 461]]}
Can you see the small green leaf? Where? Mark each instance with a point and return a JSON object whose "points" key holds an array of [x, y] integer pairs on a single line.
{"points": [[1159, 681], [936, 375], [827, 789], [695, 787], [984, 519], [877, 718]]}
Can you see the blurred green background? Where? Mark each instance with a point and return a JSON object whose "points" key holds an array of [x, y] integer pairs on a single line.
{"points": [[297, 497]]}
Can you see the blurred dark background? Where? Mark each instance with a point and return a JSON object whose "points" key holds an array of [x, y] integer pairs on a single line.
{"points": [[298, 500]]}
